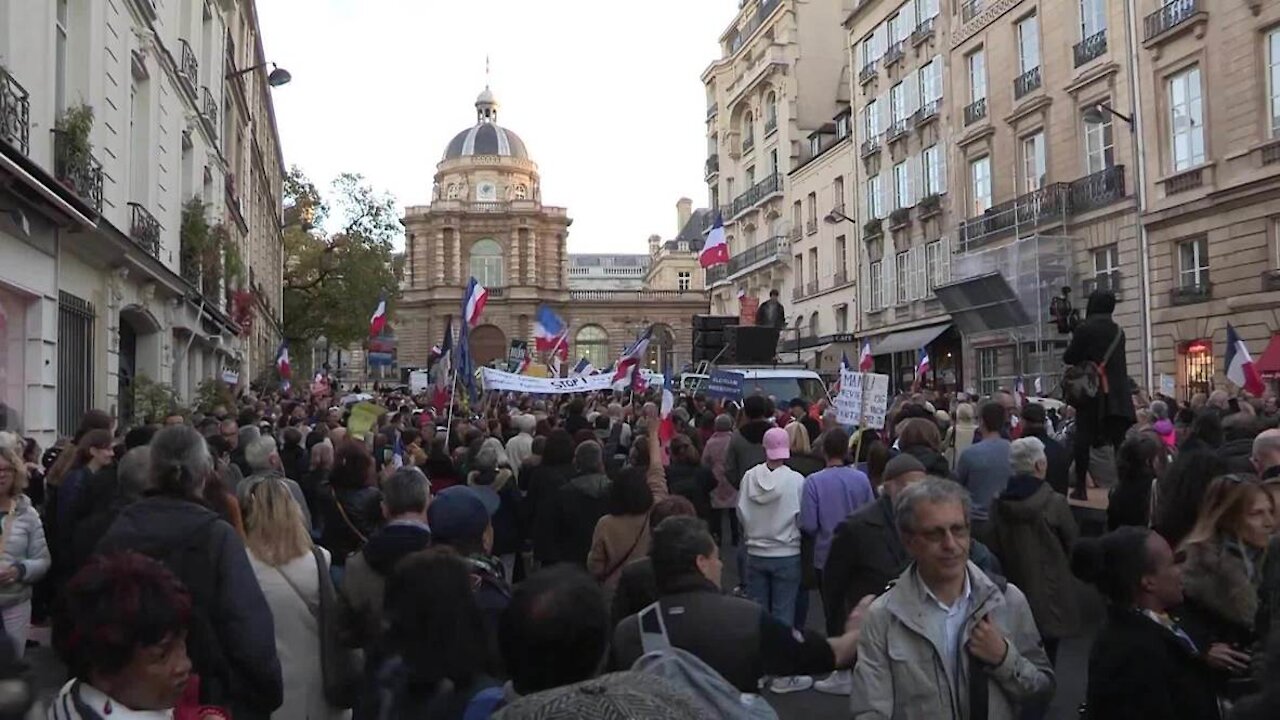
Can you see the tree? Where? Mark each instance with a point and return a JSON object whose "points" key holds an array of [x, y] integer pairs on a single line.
{"points": [[332, 281]]}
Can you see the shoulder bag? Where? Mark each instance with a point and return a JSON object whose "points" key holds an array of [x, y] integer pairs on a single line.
{"points": [[340, 667], [1084, 381]]}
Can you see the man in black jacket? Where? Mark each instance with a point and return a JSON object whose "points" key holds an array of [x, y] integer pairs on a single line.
{"points": [[1105, 418], [771, 313], [1035, 425]]}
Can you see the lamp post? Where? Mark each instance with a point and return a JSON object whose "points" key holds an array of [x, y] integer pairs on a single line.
{"points": [[277, 77]]}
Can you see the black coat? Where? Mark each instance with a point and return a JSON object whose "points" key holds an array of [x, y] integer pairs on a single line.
{"points": [[694, 483], [1181, 489], [1090, 342], [508, 529], [1058, 455], [637, 589], [935, 463], [866, 554], [350, 518], [541, 483], [567, 521], [231, 637], [1138, 669]]}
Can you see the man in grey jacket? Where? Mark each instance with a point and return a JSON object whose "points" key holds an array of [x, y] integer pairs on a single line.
{"points": [[264, 459], [947, 640]]}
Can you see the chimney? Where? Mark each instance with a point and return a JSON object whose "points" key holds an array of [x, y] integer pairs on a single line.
{"points": [[684, 210], [654, 242]]}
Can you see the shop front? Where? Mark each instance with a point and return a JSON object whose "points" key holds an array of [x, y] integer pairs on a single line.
{"points": [[897, 354], [1195, 368]]}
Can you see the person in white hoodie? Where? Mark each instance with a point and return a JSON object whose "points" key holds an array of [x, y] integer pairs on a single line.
{"points": [[769, 507]]}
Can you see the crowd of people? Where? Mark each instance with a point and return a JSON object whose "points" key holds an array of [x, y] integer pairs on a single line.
{"points": [[557, 557]]}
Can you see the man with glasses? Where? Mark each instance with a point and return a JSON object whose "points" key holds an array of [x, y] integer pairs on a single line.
{"points": [[946, 641]]}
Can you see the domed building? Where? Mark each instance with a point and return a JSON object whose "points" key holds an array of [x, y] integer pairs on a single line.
{"points": [[486, 219]]}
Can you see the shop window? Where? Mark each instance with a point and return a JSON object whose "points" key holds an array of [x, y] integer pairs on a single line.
{"points": [[1197, 368], [988, 371]]}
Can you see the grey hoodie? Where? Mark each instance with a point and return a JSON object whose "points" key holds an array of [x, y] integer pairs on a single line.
{"points": [[769, 506]]}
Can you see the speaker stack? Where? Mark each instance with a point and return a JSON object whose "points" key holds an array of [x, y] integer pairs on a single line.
{"points": [[709, 337]]}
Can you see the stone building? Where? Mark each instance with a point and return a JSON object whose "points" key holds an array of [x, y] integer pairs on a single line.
{"points": [[486, 219]]}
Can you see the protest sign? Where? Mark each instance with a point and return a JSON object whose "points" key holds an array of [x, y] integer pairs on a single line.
{"points": [[1168, 385], [364, 416], [863, 399], [510, 382], [419, 381], [724, 385]]}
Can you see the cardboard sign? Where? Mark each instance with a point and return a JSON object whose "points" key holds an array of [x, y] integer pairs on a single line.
{"points": [[724, 385], [363, 417], [863, 399]]}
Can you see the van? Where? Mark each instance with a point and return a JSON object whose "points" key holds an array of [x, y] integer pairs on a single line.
{"points": [[782, 383]]}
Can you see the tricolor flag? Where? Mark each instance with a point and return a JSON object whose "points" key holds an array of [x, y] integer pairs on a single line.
{"points": [[525, 362], [844, 362], [715, 251], [473, 303], [584, 367], [379, 319], [866, 363], [282, 361], [1020, 391], [667, 424], [1240, 367], [548, 330], [922, 368], [630, 360]]}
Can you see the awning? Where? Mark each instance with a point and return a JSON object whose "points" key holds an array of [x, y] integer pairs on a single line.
{"points": [[804, 354], [1269, 363], [982, 304], [905, 340]]}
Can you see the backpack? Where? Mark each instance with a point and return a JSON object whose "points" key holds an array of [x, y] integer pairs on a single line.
{"points": [[705, 686], [1082, 382], [193, 565]]}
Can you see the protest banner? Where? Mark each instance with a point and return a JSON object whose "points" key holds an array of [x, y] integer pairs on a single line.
{"points": [[863, 399], [510, 382], [724, 385]]}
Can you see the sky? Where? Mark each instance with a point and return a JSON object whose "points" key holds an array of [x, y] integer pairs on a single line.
{"points": [[606, 96]]}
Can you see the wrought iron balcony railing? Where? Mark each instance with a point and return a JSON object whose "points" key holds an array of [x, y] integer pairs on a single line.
{"points": [[811, 226], [1191, 293], [927, 112], [748, 144], [717, 273], [755, 194], [209, 108], [840, 278], [867, 72], [713, 164], [770, 125], [1097, 190], [770, 250], [78, 170], [1091, 47], [870, 146], [15, 113], [1022, 213], [923, 31], [144, 229], [1189, 180], [1169, 16], [975, 111], [899, 128], [1026, 83], [895, 52], [190, 66]]}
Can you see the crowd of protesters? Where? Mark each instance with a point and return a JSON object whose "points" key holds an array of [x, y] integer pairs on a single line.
{"points": [[539, 557]]}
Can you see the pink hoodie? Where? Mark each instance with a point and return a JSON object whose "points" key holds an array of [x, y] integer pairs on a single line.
{"points": [[1164, 428]]}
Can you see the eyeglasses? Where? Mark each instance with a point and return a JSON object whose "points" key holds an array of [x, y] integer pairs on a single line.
{"points": [[937, 535]]}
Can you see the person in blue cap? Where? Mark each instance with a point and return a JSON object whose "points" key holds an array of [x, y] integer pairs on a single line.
{"points": [[460, 517]]}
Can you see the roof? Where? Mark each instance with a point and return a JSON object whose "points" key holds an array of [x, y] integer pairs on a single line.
{"points": [[486, 138], [693, 230]]}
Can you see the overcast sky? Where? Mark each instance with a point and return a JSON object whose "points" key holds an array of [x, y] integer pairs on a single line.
{"points": [[606, 96]]}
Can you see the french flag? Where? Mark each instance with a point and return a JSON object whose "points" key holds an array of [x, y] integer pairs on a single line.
{"points": [[1020, 391], [715, 251], [629, 363], [1240, 367], [473, 302], [283, 367], [584, 367], [667, 424], [866, 363], [550, 332], [922, 365], [379, 319]]}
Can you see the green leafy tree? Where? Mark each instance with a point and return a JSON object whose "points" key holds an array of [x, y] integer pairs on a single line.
{"points": [[332, 280]]}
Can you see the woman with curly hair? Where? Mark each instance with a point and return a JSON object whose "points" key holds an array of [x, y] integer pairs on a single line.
{"points": [[24, 556]]}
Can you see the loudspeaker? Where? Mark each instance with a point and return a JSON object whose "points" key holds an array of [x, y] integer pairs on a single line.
{"points": [[708, 338], [752, 344], [713, 322]]}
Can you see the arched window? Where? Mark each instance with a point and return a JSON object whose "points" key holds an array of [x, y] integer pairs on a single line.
{"points": [[748, 131], [592, 343], [771, 113], [661, 348], [486, 263], [813, 324]]}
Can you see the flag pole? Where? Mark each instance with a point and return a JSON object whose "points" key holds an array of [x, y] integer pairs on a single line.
{"points": [[448, 423]]}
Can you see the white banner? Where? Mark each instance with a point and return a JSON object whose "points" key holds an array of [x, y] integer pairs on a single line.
{"points": [[511, 382], [863, 399]]}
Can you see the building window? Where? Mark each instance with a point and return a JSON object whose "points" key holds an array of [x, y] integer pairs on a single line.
{"points": [[1106, 260], [682, 246], [842, 127], [842, 318], [61, 22], [486, 263], [869, 54], [930, 80], [977, 61], [903, 261], [592, 343], [1193, 263], [75, 361], [798, 267], [937, 264], [1186, 119], [748, 132], [875, 280], [1093, 17], [1099, 147], [874, 208], [813, 268], [898, 103], [773, 161], [684, 280], [751, 177], [812, 225], [1198, 367], [797, 216], [901, 186], [988, 370], [1033, 162], [1028, 45], [926, 9], [980, 184], [837, 192], [771, 113], [871, 120], [934, 174], [1273, 80], [842, 257], [895, 29]]}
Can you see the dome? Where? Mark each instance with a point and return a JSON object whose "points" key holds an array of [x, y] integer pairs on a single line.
{"points": [[486, 137]]}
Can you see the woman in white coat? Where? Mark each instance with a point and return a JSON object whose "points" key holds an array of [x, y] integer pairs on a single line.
{"points": [[280, 550], [24, 556]]}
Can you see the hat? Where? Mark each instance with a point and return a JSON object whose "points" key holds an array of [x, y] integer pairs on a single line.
{"points": [[777, 445], [461, 512], [616, 696], [900, 465]]}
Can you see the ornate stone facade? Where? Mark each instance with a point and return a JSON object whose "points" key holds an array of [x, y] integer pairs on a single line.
{"points": [[486, 220]]}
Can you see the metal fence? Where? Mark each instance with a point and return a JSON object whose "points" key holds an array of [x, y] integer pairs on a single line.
{"points": [[75, 360]]}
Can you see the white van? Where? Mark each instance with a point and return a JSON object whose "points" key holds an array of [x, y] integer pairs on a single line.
{"points": [[782, 383]]}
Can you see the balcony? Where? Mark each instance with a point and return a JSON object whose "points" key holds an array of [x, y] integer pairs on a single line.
{"points": [[144, 229], [872, 228], [899, 218], [895, 53], [1168, 17], [762, 13], [1271, 153], [867, 72], [811, 288], [712, 110], [923, 31], [496, 292], [870, 146], [811, 226], [1191, 293], [797, 292], [713, 164], [78, 169], [927, 112], [775, 248], [770, 126], [929, 205], [754, 195], [748, 144], [1182, 182], [899, 128], [970, 10], [209, 109], [975, 111], [797, 231], [15, 113], [841, 278], [1026, 83], [1023, 213], [718, 273], [1097, 190], [1107, 281], [1091, 47], [189, 66]]}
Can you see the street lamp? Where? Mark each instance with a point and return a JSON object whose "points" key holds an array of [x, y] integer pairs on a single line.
{"points": [[277, 77], [835, 216], [1097, 113]]}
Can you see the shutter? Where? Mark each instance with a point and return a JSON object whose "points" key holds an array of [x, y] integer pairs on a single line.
{"points": [[907, 15], [882, 107], [911, 86], [915, 171], [881, 35], [939, 76], [945, 261], [864, 281], [886, 193], [889, 271], [922, 272], [942, 169]]}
